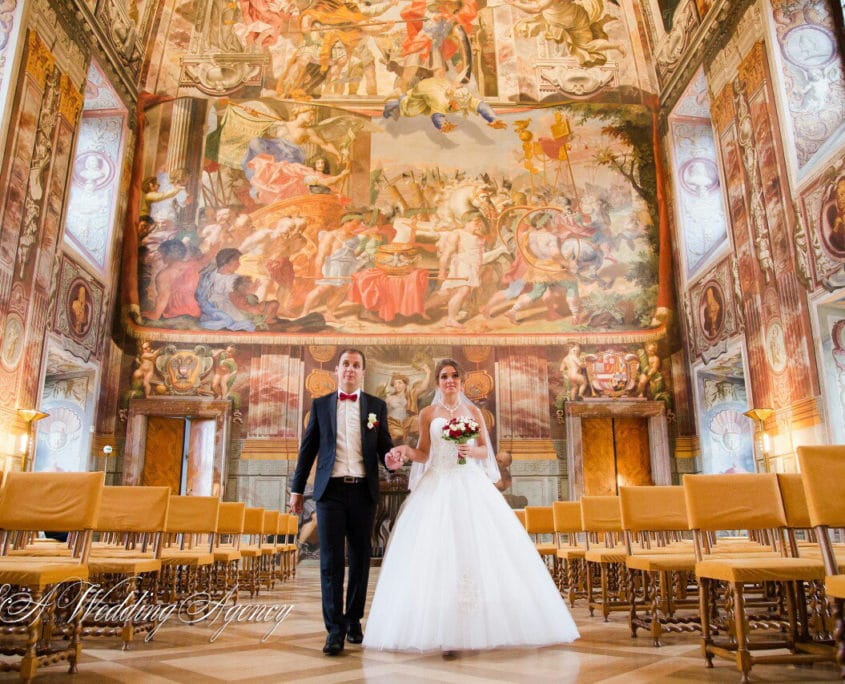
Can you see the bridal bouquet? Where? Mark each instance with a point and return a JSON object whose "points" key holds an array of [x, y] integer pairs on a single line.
{"points": [[461, 430]]}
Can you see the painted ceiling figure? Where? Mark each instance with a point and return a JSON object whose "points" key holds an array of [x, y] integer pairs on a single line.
{"points": [[432, 41], [437, 97], [578, 26]]}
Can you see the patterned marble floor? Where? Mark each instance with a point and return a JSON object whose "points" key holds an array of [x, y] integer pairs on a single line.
{"points": [[605, 653]]}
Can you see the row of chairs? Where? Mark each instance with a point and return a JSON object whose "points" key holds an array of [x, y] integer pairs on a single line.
{"points": [[135, 544], [674, 560]]}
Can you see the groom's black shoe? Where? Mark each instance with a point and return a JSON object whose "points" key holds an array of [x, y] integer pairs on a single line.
{"points": [[354, 634], [334, 644]]}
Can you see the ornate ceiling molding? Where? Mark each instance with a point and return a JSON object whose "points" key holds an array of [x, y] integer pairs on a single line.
{"points": [[711, 36]]}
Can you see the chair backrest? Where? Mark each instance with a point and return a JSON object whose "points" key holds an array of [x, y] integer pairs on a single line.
{"points": [[271, 523], [230, 519], [539, 520], [653, 509], [254, 521], [601, 514], [51, 501], [567, 516], [293, 525], [193, 514], [794, 500], [134, 509], [520, 515], [823, 471], [734, 501]]}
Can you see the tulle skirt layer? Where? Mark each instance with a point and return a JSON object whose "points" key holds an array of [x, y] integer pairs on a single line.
{"points": [[460, 573]]}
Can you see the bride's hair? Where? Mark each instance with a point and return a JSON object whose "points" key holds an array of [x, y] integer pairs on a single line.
{"points": [[447, 362]]}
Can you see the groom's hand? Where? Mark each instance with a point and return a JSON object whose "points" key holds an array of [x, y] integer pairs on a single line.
{"points": [[295, 503], [394, 458]]}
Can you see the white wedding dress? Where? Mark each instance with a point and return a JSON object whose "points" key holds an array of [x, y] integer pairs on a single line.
{"points": [[460, 572]]}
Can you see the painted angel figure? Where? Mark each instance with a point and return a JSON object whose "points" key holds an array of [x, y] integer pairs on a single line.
{"points": [[578, 25], [437, 97]]}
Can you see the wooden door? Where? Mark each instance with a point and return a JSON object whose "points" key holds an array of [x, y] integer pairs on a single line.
{"points": [[599, 456], [633, 460], [615, 451], [163, 453]]}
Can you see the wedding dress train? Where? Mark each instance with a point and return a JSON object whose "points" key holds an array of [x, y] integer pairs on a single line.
{"points": [[460, 572]]}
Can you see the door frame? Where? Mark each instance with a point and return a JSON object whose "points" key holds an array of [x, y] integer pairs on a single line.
{"points": [[176, 407], [658, 436]]}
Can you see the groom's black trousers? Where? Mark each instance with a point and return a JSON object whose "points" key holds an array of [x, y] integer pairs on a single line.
{"points": [[344, 520]]}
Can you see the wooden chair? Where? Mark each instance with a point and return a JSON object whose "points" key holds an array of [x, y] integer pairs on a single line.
{"points": [[605, 557], [270, 555], [249, 576], [46, 501], [227, 545], [570, 554], [289, 547], [653, 518], [539, 520], [748, 502], [188, 559], [823, 471]]}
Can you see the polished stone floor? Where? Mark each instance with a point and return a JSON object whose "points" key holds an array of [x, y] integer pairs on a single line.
{"points": [[605, 653]]}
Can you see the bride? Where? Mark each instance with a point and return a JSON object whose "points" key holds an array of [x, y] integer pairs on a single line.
{"points": [[460, 573]]}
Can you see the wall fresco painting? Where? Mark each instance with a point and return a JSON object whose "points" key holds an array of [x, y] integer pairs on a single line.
{"points": [[93, 191], [823, 215], [781, 365], [306, 218], [523, 50], [812, 71], [713, 315], [698, 189], [62, 439], [78, 308], [727, 436]]}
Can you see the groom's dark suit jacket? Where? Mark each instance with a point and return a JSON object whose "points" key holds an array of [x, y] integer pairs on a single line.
{"points": [[320, 439]]}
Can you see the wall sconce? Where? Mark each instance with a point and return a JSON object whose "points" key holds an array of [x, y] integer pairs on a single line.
{"points": [[29, 416], [762, 441]]}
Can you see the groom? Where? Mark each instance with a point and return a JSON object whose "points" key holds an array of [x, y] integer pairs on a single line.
{"points": [[347, 434]]}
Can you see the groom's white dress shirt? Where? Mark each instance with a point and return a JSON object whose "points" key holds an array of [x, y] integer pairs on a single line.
{"points": [[348, 460]]}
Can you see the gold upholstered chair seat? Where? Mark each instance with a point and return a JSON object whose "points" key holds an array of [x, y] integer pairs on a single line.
{"points": [[834, 586], [570, 552], [188, 557], [127, 565], [599, 555], [226, 555], [661, 562], [39, 573], [760, 569]]}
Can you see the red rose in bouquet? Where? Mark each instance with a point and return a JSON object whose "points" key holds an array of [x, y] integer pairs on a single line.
{"points": [[461, 430]]}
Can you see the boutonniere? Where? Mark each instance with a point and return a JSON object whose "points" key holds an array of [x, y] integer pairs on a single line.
{"points": [[372, 421]]}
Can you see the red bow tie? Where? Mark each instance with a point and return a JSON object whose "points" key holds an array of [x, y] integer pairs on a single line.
{"points": [[348, 397]]}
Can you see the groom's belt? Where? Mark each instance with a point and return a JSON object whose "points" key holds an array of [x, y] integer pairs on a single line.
{"points": [[348, 479]]}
